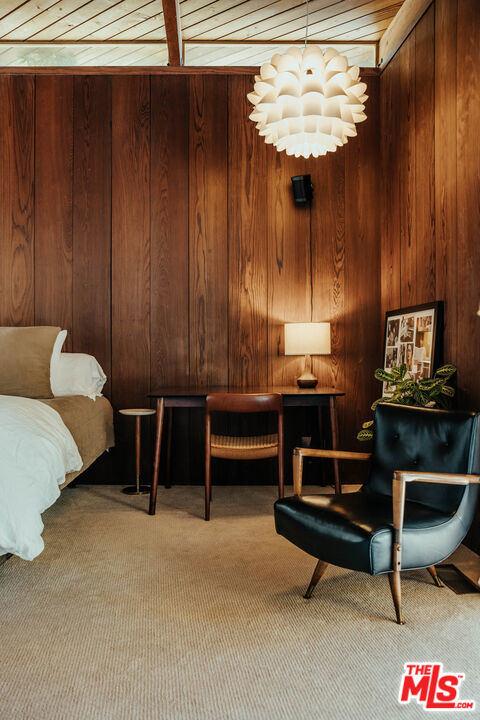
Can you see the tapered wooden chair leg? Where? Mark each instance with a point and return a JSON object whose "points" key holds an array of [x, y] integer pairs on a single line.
{"points": [[394, 580], [317, 574], [433, 572]]}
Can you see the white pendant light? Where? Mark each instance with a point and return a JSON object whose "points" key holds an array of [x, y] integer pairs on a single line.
{"points": [[308, 101]]}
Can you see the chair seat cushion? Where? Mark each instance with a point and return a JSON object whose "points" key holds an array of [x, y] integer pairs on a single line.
{"points": [[245, 443], [354, 530]]}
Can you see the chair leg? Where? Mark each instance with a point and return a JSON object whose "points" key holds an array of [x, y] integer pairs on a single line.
{"points": [[320, 568], [208, 487], [394, 580], [433, 572], [281, 475]]}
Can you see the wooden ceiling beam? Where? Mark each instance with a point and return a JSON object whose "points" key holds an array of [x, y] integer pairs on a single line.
{"points": [[173, 31], [399, 29], [141, 70]]}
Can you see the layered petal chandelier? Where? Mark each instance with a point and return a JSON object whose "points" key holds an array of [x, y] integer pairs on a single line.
{"points": [[307, 102]]}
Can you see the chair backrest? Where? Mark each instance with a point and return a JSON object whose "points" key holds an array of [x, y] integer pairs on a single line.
{"points": [[244, 402], [411, 438]]}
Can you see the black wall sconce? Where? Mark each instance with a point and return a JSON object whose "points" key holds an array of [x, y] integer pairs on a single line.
{"points": [[302, 189]]}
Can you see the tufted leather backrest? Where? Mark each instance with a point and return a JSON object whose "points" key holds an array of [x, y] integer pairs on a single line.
{"points": [[411, 438]]}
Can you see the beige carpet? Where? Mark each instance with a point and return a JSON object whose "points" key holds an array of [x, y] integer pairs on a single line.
{"points": [[129, 616]]}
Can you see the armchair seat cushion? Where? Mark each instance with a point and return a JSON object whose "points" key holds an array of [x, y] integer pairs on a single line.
{"points": [[354, 530]]}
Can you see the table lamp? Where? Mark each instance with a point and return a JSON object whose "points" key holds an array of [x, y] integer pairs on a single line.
{"points": [[307, 339]]}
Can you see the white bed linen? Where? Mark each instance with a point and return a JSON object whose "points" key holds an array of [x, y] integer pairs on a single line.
{"points": [[36, 452]]}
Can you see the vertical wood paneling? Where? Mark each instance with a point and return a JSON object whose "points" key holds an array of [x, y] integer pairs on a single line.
{"points": [[468, 201], [16, 206], [169, 231], [390, 241], [247, 243], [424, 176], [328, 263], [53, 202], [446, 178], [92, 219], [406, 172], [208, 231], [130, 239], [446, 168], [362, 269], [289, 263], [171, 237], [169, 354]]}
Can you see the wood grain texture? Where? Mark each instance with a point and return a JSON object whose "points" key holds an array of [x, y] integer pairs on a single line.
{"points": [[390, 215], [208, 231], [130, 240], [446, 168], [406, 169], [446, 215], [169, 300], [247, 243], [289, 263], [186, 235], [17, 201], [424, 176], [468, 202], [53, 202], [169, 356], [363, 322], [171, 15], [328, 263], [92, 219]]}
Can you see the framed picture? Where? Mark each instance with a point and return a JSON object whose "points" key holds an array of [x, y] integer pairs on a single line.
{"points": [[414, 336]]}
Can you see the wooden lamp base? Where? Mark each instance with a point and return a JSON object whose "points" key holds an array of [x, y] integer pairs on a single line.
{"points": [[307, 379]]}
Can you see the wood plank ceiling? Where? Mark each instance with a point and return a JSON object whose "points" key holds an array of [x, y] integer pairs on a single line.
{"points": [[218, 32]]}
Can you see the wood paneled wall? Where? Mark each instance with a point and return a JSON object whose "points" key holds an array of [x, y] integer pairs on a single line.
{"points": [[146, 216], [430, 98]]}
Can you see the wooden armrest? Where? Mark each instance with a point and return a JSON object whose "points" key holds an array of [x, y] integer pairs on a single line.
{"points": [[300, 453], [447, 478], [333, 454], [400, 479]]}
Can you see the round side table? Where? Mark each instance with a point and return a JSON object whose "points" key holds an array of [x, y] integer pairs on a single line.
{"points": [[137, 413]]}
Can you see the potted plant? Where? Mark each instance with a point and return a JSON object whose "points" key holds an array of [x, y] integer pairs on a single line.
{"points": [[426, 392]]}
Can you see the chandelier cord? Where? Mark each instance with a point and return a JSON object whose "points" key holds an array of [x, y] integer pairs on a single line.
{"points": [[306, 28]]}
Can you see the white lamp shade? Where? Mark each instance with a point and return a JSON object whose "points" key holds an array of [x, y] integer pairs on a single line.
{"points": [[307, 339], [307, 102]]}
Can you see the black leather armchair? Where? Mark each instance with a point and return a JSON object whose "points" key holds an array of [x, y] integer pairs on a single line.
{"points": [[415, 508]]}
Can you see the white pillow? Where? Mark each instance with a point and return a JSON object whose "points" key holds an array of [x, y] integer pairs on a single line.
{"points": [[57, 349], [78, 374]]}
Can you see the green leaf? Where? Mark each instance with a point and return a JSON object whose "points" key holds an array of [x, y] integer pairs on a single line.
{"points": [[365, 435], [383, 375], [448, 391], [443, 402], [446, 371]]}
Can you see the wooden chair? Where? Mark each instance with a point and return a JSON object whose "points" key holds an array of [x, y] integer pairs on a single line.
{"points": [[242, 448]]}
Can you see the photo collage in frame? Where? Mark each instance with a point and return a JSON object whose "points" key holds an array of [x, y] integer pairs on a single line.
{"points": [[412, 337]]}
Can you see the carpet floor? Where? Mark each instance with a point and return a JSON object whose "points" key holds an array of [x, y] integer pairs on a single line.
{"points": [[128, 616]]}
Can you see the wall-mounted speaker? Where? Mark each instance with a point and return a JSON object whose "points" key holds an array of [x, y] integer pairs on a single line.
{"points": [[302, 189]]}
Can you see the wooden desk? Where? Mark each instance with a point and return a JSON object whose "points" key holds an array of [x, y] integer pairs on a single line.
{"points": [[293, 396]]}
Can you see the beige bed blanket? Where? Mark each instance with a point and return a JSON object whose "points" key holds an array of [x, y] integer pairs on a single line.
{"points": [[91, 424]]}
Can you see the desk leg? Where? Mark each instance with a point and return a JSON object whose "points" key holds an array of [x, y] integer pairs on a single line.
{"points": [[334, 428], [158, 445], [168, 483], [322, 442]]}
